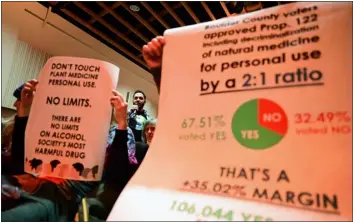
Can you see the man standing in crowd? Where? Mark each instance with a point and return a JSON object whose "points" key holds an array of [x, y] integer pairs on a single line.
{"points": [[137, 116]]}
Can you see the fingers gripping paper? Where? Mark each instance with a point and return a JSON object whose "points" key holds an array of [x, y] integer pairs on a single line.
{"points": [[67, 130], [262, 128]]}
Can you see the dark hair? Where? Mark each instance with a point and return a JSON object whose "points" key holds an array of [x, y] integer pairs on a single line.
{"points": [[95, 171], [35, 163], [54, 164], [79, 167], [17, 92], [139, 91]]}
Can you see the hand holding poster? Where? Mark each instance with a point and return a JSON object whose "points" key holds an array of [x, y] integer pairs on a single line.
{"points": [[66, 134], [262, 128]]}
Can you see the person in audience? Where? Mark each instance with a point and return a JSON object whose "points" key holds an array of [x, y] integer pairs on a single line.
{"points": [[148, 131], [7, 126], [147, 136], [138, 115], [53, 199], [152, 54], [130, 142]]}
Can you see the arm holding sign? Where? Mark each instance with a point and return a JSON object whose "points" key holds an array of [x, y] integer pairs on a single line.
{"points": [[119, 152], [117, 163], [27, 95], [21, 119], [153, 53]]}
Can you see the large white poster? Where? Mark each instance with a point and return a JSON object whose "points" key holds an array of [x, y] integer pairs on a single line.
{"points": [[261, 130], [67, 130]]}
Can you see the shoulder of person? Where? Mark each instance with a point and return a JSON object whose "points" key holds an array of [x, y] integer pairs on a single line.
{"points": [[131, 113], [145, 113], [141, 146], [130, 133]]}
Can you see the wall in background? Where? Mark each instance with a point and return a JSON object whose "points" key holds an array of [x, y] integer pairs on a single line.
{"points": [[25, 64], [8, 45], [25, 27]]}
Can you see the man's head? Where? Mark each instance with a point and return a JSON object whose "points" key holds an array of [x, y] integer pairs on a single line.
{"points": [[139, 99], [17, 95]]}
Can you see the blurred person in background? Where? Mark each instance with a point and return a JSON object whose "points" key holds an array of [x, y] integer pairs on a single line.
{"points": [[147, 136], [8, 124], [7, 127], [148, 131]]}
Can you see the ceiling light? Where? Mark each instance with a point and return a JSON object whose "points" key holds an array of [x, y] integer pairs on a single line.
{"points": [[134, 8]]}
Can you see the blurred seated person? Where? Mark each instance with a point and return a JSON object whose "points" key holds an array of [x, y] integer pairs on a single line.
{"points": [[97, 206], [138, 115], [7, 126], [27, 197], [148, 131], [147, 136]]}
